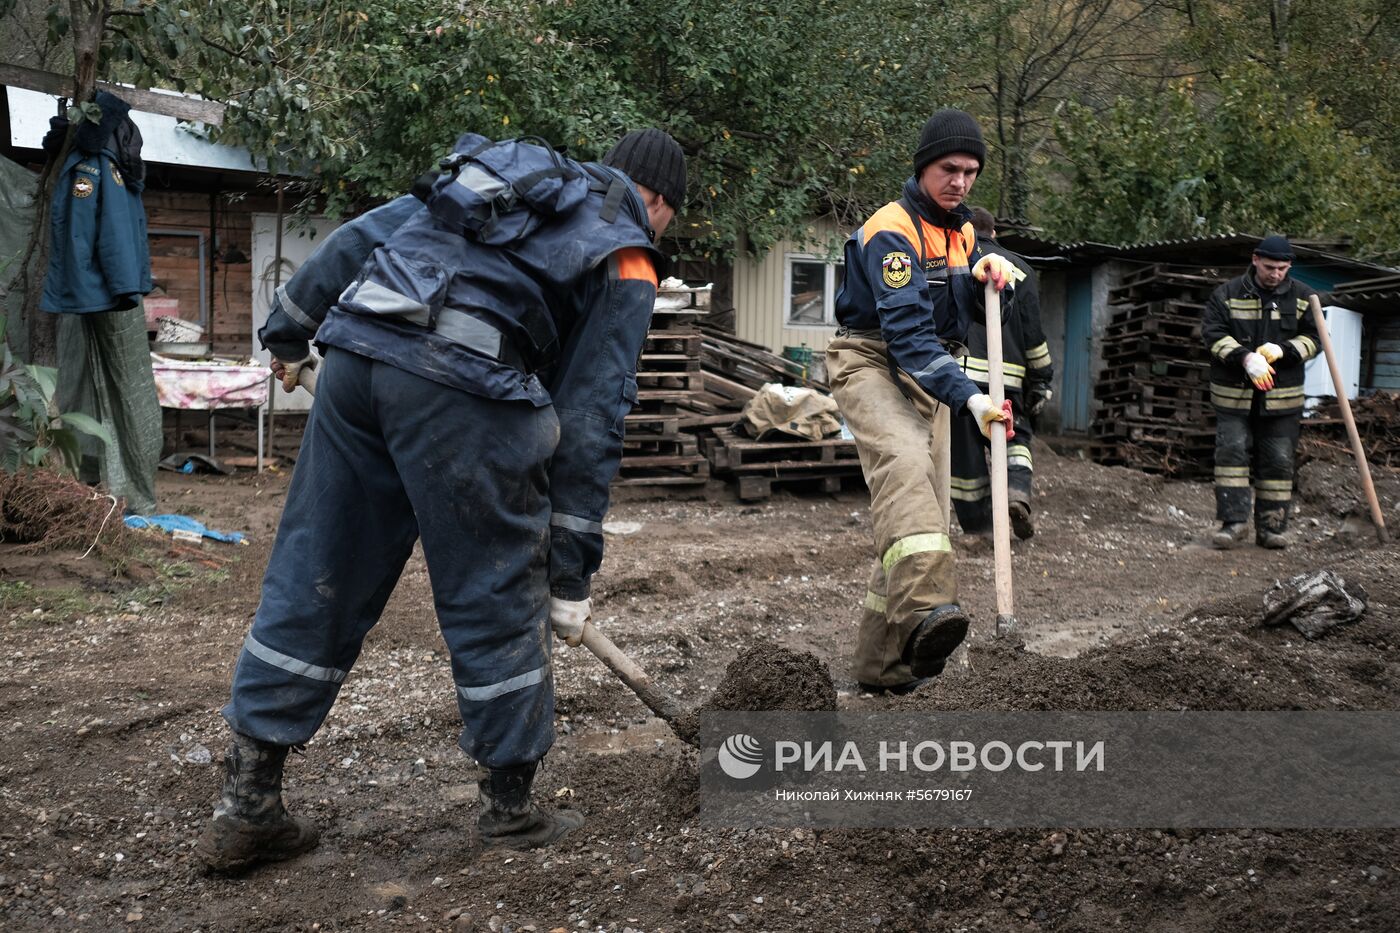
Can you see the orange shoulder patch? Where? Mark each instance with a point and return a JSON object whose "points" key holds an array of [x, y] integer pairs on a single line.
{"points": [[893, 218], [634, 263]]}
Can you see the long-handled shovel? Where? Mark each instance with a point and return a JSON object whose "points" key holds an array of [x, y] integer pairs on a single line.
{"points": [[657, 699], [1001, 517], [1377, 517]]}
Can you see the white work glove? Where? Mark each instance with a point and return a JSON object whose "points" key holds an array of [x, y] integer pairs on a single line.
{"points": [[981, 408], [568, 617], [1259, 371], [1271, 352], [999, 269], [290, 373]]}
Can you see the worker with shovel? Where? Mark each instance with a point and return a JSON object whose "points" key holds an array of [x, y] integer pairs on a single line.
{"points": [[909, 296], [481, 341], [1259, 334], [1028, 370]]}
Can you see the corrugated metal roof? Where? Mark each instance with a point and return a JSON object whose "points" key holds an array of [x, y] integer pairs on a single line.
{"points": [[1210, 249]]}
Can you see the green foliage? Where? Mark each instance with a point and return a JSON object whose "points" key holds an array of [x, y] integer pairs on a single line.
{"points": [[30, 436], [1240, 155]]}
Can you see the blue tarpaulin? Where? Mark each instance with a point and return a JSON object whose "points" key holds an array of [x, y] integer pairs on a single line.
{"points": [[182, 523]]}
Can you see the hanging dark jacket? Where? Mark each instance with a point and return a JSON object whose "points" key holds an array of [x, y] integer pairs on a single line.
{"points": [[99, 255], [1239, 318]]}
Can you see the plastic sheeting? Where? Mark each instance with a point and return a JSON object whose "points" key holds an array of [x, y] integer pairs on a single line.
{"points": [[104, 363]]}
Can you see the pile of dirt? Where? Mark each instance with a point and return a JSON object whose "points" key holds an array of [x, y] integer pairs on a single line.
{"points": [[1221, 663], [766, 677], [42, 511]]}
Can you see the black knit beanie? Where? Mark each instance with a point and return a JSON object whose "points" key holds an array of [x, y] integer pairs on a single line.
{"points": [[1274, 247], [949, 131], [652, 158]]}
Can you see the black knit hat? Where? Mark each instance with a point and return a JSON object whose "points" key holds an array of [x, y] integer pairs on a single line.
{"points": [[652, 158], [949, 131], [1274, 247]]}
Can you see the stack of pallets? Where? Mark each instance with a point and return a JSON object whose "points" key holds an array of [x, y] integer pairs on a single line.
{"points": [[757, 465], [655, 449], [1153, 394]]}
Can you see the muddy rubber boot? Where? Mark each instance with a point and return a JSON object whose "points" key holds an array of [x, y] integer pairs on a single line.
{"points": [[1229, 535], [250, 823], [1269, 528], [508, 817], [1021, 524], [934, 640]]}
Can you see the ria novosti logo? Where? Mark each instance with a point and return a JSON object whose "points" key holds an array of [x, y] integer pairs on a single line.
{"points": [[741, 756]]}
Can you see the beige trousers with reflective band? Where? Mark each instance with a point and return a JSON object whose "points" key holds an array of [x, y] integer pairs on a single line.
{"points": [[903, 446]]}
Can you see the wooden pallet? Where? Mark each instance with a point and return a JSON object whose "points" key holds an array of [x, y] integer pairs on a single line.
{"points": [[752, 488], [1151, 348], [731, 452]]}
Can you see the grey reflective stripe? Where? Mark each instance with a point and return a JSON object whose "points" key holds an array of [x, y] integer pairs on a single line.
{"points": [[935, 367], [574, 523], [293, 310], [377, 299], [482, 183], [471, 332], [290, 664], [491, 691]]}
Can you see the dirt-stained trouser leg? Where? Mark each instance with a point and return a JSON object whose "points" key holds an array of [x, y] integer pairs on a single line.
{"points": [[904, 448]]}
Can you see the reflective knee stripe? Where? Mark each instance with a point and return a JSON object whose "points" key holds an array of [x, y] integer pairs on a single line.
{"points": [[1038, 357], [509, 685], [290, 664], [1305, 346], [574, 523], [914, 544], [294, 311], [1274, 490], [874, 601], [974, 489], [1232, 476], [1224, 347], [1019, 455]]}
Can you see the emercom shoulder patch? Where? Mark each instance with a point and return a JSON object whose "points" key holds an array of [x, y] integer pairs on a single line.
{"points": [[898, 269]]}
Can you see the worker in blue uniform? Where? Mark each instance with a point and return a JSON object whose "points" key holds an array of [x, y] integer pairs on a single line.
{"points": [[480, 347]]}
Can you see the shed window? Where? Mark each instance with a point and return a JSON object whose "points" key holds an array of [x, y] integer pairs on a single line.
{"points": [[811, 285]]}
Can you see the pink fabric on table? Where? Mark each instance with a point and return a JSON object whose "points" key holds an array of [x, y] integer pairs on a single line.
{"points": [[203, 386]]}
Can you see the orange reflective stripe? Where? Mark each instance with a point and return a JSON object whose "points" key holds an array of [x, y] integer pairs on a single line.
{"points": [[634, 263], [894, 219]]}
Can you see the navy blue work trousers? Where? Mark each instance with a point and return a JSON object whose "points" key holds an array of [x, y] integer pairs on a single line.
{"points": [[388, 457]]}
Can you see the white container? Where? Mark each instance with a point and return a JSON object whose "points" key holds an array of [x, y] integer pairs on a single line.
{"points": [[178, 330]]}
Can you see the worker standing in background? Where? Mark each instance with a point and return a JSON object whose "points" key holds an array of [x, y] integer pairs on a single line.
{"points": [[1259, 333], [1028, 370], [912, 288], [481, 352]]}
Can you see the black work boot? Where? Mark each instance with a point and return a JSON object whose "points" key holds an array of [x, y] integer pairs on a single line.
{"points": [[1021, 524], [1269, 528], [250, 824], [934, 640], [509, 819], [1229, 535]]}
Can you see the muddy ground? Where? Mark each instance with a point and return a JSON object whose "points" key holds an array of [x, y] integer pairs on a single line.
{"points": [[109, 698]]}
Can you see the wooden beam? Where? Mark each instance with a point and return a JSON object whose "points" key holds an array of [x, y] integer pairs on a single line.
{"points": [[171, 105]]}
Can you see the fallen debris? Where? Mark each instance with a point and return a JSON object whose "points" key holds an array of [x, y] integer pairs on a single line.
{"points": [[1313, 603]]}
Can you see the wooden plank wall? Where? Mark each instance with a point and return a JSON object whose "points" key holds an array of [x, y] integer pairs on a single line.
{"points": [[175, 259]]}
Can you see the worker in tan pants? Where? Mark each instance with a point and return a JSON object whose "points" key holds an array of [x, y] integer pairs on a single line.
{"points": [[912, 288], [902, 438]]}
